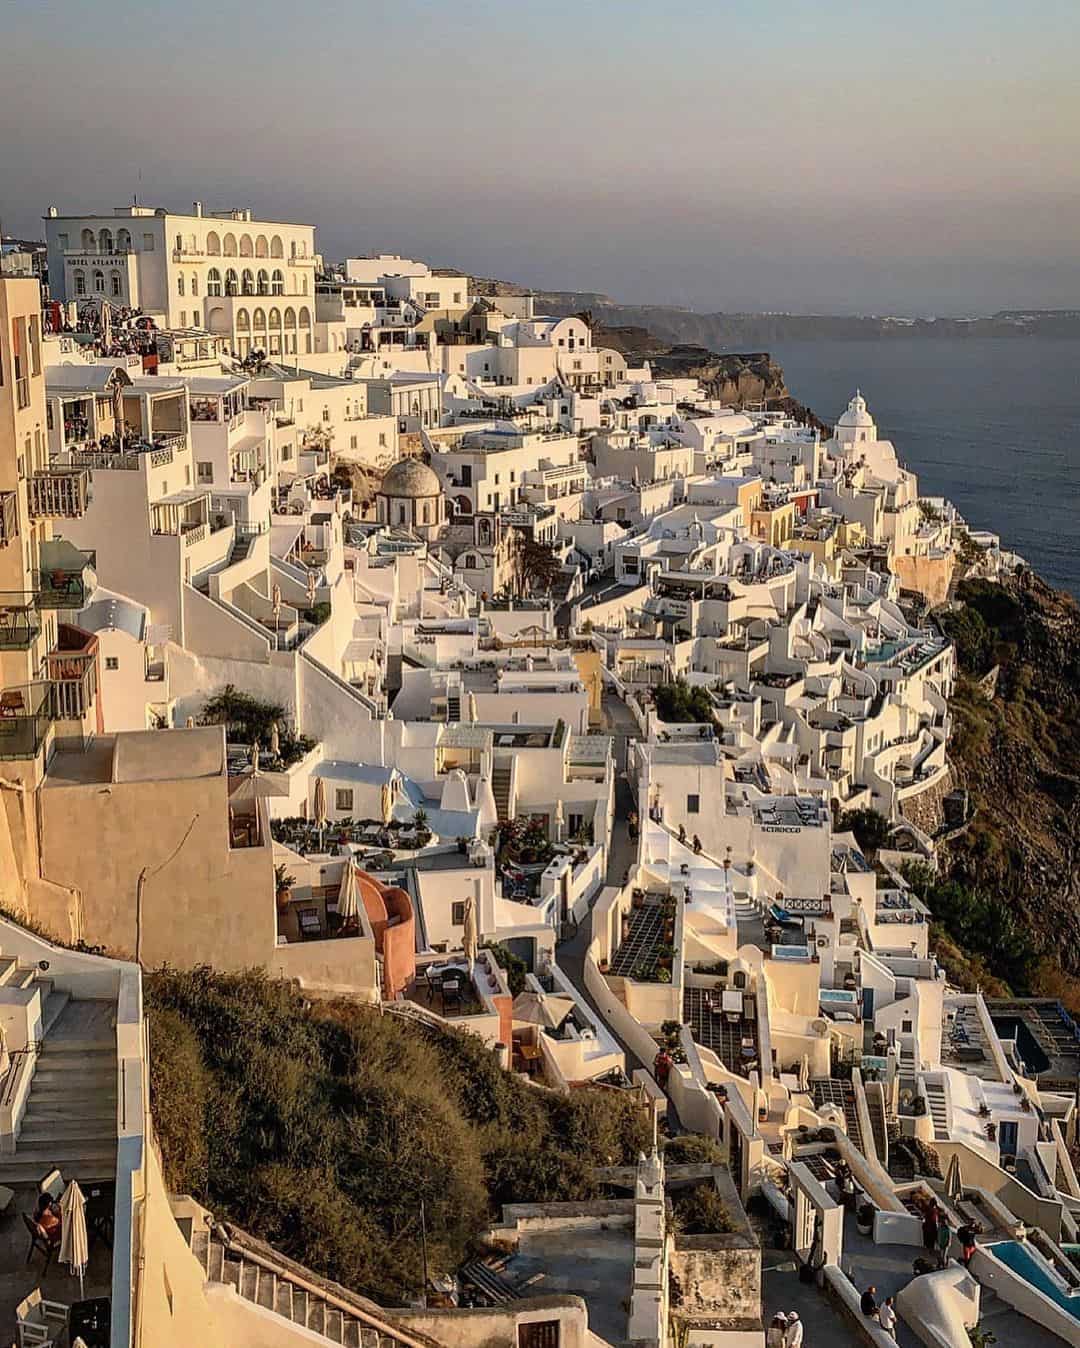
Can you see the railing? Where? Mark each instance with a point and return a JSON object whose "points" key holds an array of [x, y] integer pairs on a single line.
{"points": [[25, 716], [63, 587], [58, 493], [161, 458], [195, 534], [9, 516], [19, 620]]}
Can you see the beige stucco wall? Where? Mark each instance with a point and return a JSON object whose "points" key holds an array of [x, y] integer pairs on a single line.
{"points": [[929, 576]]}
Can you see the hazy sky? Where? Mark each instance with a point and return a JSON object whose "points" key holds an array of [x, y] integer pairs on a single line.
{"points": [[833, 156]]}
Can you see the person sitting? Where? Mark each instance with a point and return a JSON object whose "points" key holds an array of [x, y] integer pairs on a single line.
{"points": [[868, 1302], [47, 1216]]}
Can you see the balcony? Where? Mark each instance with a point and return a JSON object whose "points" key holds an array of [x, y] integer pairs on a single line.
{"points": [[19, 621], [72, 669], [9, 517], [66, 579], [25, 716], [58, 493]]}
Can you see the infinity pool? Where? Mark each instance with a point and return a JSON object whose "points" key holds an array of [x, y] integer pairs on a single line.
{"points": [[1020, 1259]]}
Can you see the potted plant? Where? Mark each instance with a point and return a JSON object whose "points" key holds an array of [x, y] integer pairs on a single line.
{"points": [[663, 975], [991, 1132], [864, 1218], [283, 883], [666, 956]]}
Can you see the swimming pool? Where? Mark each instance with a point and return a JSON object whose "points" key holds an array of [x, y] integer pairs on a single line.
{"points": [[1020, 1259]]}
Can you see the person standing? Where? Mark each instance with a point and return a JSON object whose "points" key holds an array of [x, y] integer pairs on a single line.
{"points": [[930, 1228], [868, 1302], [794, 1336], [774, 1337], [887, 1316], [944, 1239]]}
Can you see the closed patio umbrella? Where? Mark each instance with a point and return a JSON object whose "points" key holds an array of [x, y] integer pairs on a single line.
{"points": [[953, 1184], [319, 807], [74, 1244], [348, 904], [275, 604], [386, 801], [470, 935], [275, 741], [559, 820], [311, 589], [255, 756]]}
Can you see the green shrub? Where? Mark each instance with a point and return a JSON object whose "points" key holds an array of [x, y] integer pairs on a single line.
{"points": [[700, 1211], [693, 1149]]}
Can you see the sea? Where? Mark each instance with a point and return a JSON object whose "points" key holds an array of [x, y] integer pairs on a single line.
{"points": [[991, 424]]}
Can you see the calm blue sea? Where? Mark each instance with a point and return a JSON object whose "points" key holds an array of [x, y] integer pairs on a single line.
{"points": [[994, 425]]}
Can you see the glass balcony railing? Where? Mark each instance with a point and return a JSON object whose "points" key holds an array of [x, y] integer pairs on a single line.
{"points": [[66, 579], [20, 621], [25, 716]]}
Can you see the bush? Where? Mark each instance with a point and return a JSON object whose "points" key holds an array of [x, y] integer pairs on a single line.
{"points": [[870, 828], [322, 1128], [680, 703], [693, 1149], [700, 1211]]}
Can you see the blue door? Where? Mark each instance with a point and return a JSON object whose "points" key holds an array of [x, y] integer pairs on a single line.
{"points": [[1007, 1138]]}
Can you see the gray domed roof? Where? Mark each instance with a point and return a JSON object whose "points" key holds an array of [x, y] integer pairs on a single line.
{"points": [[410, 478]]}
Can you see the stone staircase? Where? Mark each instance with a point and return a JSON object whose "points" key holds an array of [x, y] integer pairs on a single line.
{"points": [[240, 548], [832, 1091], [70, 1117], [935, 1099], [268, 1279], [500, 789], [453, 704]]}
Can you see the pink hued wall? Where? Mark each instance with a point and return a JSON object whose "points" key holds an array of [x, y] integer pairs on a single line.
{"points": [[395, 944]]}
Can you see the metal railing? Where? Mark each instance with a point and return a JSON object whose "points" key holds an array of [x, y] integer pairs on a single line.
{"points": [[25, 716], [19, 620]]}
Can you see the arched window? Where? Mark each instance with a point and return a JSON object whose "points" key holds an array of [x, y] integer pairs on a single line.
{"points": [[247, 248], [303, 285], [89, 243], [99, 282], [427, 512], [263, 283], [230, 245], [277, 282], [275, 318], [275, 344], [258, 319], [213, 281], [261, 247], [290, 317], [116, 287], [123, 240], [232, 283], [194, 283], [243, 323], [276, 249], [213, 244], [305, 317], [180, 284], [80, 283], [105, 241], [247, 282], [292, 248]]}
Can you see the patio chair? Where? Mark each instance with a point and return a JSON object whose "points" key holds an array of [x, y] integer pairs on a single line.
{"points": [[310, 926], [32, 1319], [52, 1184], [451, 993], [39, 1242]]}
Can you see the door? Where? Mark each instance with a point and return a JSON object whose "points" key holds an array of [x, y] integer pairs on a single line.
{"points": [[1007, 1131]]}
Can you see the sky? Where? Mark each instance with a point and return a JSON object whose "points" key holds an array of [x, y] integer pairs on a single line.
{"points": [[827, 156]]}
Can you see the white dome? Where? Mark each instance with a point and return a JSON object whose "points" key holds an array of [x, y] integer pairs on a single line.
{"points": [[856, 415]]}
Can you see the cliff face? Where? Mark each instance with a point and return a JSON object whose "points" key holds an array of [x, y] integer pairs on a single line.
{"points": [[1016, 748]]}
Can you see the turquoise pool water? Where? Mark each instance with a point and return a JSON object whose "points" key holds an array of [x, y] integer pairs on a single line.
{"points": [[1020, 1259]]}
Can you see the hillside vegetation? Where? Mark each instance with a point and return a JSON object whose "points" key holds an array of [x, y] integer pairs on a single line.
{"points": [[321, 1128], [1008, 896]]}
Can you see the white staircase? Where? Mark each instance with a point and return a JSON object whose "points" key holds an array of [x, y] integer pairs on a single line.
{"points": [[70, 1117], [500, 789], [935, 1100], [268, 1279]]}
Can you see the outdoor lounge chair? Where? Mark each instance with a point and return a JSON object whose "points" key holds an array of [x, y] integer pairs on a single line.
{"points": [[38, 1320], [310, 926]]}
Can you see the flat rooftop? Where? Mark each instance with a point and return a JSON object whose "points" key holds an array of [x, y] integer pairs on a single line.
{"points": [[597, 1265], [142, 756]]}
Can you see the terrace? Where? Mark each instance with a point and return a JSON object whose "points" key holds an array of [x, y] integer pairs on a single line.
{"points": [[25, 716], [66, 578], [20, 621], [58, 493], [645, 952], [726, 1023]]}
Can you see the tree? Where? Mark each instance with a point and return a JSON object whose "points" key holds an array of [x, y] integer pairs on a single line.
{"points": [[537, 567], [870, 828], [680, 703]]}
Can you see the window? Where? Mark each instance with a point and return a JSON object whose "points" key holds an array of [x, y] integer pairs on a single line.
{"points": [[148, 243], [62, 240], [343, 798], [205, 471], [232, 283], [277, 282], [80, 283], [180, 284], [247, 282], [115, 278], [213, 281], [112, 663], [194, 283], [262, 283], [352, 441], [905, 1027], [99, 283], [457, 914], [183, 318], [693, 804], [382, 439]]}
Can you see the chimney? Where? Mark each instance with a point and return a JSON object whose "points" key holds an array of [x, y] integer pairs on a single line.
{"points": [[196, 208]]}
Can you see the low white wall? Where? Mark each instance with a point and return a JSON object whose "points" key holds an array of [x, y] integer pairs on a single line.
{"points": [[897, 1228], [1017, 1292]]}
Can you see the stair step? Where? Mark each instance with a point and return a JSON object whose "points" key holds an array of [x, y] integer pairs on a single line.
{"points": [[22, 977], [8, 965], [54, 1004], [82, 1164], [71, 1129]]}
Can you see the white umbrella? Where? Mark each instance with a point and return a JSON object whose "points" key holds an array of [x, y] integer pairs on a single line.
{"points": [[275, 603], [348, 904], [311, 589], [74, 1243], [319, 807], [559, 821], [386, 801], [255, 756], [470, 938], [473, 714], [537, 1008], [804, 1073]]}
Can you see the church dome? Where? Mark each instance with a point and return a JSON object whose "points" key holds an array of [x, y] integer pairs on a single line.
{"points": [[856, 415], [410, 479]]}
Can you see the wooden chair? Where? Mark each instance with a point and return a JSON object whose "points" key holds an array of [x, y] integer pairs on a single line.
{"points": [[308, 921], [32, 1317], [40, 1242], [451, 992]]}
